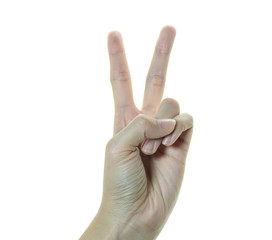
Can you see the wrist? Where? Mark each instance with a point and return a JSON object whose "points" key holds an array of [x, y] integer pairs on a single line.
{"points": [[106, 227], [101, 228]]}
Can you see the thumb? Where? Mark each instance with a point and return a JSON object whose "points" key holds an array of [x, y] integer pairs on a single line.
{"points": [[143, 127]]}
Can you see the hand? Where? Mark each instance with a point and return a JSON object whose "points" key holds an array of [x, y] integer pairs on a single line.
{"points": [[142, 177]]}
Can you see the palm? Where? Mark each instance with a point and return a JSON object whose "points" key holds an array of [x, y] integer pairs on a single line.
{"points": [[164, 169]]}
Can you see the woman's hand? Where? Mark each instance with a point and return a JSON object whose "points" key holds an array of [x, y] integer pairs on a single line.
{"points": [[145, 158]]}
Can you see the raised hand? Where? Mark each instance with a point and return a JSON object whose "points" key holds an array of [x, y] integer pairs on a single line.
{"points": [[145, 158]]}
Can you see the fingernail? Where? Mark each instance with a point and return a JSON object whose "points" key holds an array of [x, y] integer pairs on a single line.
{"points": [[167, 123], [167, 140], [148, 146]]}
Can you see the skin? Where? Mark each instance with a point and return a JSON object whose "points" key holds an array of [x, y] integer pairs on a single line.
{"points": [[143, 169]]}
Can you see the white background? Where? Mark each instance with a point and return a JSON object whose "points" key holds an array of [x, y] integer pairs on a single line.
{"points": [[56, 112]]}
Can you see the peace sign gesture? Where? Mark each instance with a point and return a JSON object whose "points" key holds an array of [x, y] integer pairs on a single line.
{"points": [[142, 186], [125, 109]]}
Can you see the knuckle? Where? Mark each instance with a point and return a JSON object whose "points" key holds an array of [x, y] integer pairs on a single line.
{"points": [[190, 118], [110, 145], [122, 76], [116, 53], [171, 102], [141, 120], [163, 49], [156, 79]]}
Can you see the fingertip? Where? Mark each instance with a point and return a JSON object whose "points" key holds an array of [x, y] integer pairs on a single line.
{"points": [[169, 29], [167, 140], [155, 145], [114, 34], [148, 146], [115, 43]]}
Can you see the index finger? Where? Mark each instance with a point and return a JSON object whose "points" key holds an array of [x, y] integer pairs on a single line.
{"points": [[119, 72]]}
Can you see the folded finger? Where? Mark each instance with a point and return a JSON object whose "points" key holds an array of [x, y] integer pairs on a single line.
{"points": [[184, 121], [169, 108]]}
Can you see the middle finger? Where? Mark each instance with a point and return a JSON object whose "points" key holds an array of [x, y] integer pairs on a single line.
{"points": [[155, 80]]}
